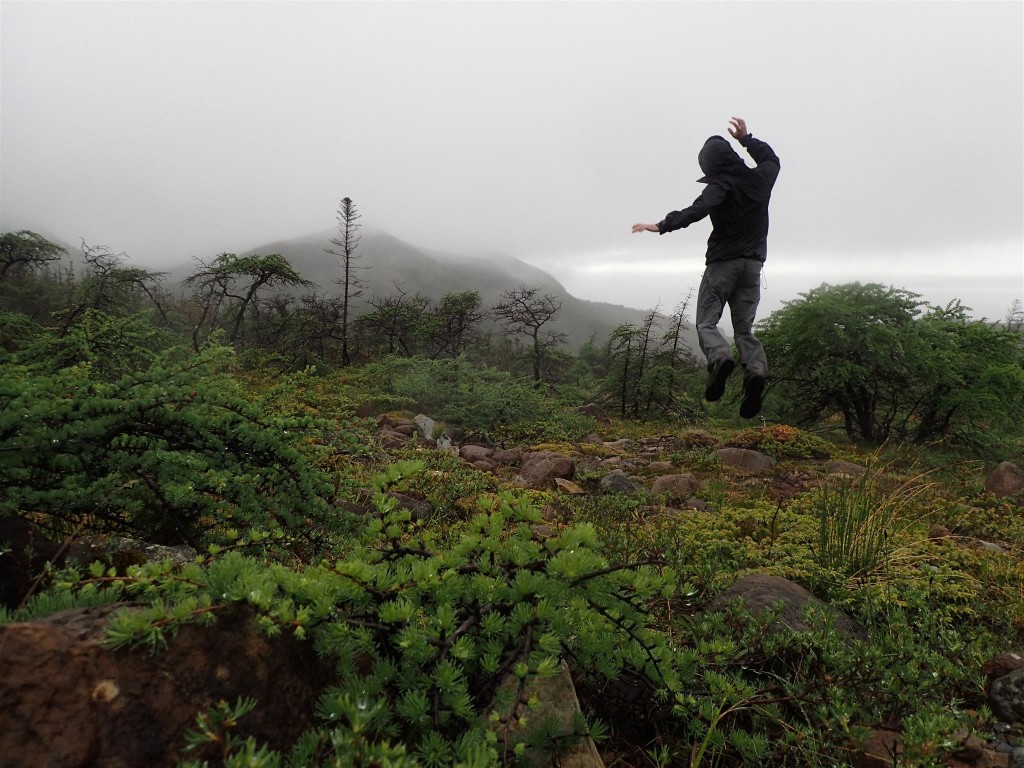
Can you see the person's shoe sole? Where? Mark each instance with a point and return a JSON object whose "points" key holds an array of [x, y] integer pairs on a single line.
{"points": [[753, 388], [716, 386]]}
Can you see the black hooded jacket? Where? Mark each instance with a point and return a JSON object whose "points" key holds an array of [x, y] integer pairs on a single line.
{"points": [[736, 198]]}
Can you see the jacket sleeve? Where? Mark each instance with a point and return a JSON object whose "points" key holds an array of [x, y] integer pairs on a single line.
{"points": [[767, 161], [712, 195]]}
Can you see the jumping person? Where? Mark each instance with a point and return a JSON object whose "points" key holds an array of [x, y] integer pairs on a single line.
{"points": [[736, 197]]}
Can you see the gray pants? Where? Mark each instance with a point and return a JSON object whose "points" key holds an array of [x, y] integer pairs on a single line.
{"points": [[736, 282]]}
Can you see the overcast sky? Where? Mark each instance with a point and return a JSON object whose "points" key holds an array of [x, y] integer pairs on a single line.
{"points": [[539, 129]]}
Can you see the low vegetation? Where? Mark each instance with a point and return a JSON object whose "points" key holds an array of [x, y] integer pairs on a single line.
{"points": [[122, 411]]}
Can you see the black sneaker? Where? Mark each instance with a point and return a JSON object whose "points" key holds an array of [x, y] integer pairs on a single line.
{"points": [[752, 390], [717, 375]]}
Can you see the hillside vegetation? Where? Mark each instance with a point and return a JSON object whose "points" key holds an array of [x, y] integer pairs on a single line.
{"points": [[456, 512]]}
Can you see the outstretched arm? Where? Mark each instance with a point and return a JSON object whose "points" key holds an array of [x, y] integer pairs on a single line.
{"points": [[645, 228]]}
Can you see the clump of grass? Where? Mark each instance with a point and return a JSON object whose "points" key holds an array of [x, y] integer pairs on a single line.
{"points": [[863, 528]]}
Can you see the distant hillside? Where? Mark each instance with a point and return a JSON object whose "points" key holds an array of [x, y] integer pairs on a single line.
{"points": [[387, 260]]}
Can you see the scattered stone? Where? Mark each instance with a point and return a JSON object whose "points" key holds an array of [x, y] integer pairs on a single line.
{"points": [[425, 426], [544, 531], [592, 439], [848, 468], [618, 481], [568, 486], [660, 467], [1006, 696], [509, 456], [484, 465], [745, 459], [761, 591], [1005, 480], [70, 701], [1001, 665], [675, 487], [390, 438], [362, 507], [393, 420], [473, 453], [120, 552], [540, 468], [881, 749], [420, 509]]}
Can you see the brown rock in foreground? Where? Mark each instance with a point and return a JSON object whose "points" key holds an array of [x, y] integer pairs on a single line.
{"points": [[68, 701]]}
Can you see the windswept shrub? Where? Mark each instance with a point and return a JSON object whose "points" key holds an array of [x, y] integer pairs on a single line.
{"points": [[169, 453], [111, 345]]}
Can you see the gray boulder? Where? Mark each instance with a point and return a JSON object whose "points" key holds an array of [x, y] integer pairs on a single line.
{"points": [[618, 481], [1006, 696]]}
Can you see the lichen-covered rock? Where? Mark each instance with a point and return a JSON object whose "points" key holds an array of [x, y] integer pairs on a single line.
{"points": [[1001, 665], [559, 708], [425, 426], [1006, 696], [660, 467]]}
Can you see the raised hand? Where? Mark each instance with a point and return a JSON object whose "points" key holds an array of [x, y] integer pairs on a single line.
{"points": [[739, 128]]}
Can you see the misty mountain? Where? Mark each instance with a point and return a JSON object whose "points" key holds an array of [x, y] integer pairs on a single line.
{"points": [[383, 260]]}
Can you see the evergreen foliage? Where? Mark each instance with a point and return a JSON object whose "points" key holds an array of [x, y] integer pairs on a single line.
{"points": [[423, 635], [647, 376], [892, 367], [473, 398], [168, 452]]}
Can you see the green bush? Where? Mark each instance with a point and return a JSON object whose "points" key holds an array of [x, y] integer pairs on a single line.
{"points": [[423, 636], [172, 453], [474, 399]]}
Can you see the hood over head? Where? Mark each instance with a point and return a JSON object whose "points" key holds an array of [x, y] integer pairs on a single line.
{"points": [[717, 158]]}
